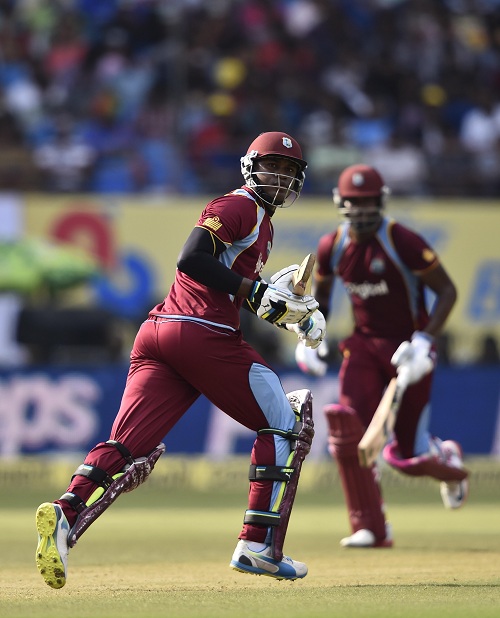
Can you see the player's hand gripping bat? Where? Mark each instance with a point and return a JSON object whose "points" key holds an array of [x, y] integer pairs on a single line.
{"points": [[277, 300], [382, 423]]}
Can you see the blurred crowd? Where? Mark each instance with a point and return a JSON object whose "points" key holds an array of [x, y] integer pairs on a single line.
{"points": [[145, 96]]}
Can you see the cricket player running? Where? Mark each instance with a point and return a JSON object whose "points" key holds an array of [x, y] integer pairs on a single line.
{"points": [[385, 268], [191, 344]]}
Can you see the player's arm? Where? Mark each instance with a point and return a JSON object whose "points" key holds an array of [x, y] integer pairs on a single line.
{"points": [[322, 291], [414, 359], [323, 278], [438, 280], [421, 259], [199, 260]]}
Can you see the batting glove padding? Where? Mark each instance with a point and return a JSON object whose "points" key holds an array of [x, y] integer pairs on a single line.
{"points": [[310, 360], [310, 331], [283, 278], [276, 304], [413, 359]]}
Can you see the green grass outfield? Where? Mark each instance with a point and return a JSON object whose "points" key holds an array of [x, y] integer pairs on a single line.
{"points": [[164, 549]]}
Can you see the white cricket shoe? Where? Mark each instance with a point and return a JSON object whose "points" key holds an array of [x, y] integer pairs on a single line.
{"points": [[261, 562], [52, 551], [365, 538], [454, 493]]}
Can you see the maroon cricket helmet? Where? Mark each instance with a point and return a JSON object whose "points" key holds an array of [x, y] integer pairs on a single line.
{"points": [[277, 144], [274, 144], [357, 182], [360, 181]]}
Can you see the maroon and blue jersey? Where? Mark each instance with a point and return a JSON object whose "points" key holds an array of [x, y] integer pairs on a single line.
{"points": [[381, 277], [246, 230]]}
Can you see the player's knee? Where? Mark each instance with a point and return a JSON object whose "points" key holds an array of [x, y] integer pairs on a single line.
{"points": [[345, 429], [343, 421]]}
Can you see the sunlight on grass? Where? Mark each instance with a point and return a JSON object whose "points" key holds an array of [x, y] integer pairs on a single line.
{"points": [[167, 554]]}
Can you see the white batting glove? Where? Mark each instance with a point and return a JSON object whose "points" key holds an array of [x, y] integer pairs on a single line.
{"points": [[280, 305], [283, 278], [310, 331], [310, 360], [413, 359]]}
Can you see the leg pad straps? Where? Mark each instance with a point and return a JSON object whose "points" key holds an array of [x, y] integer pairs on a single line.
{"points": [[267, 473], [124, 452], [132, 477], [262, 518], [270, 473], [74, 501], [96, 475]]}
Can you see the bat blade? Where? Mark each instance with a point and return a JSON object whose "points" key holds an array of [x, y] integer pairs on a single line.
{"points": [[301, 277], [381, 425]]}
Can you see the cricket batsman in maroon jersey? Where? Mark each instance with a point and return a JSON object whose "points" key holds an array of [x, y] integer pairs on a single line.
{"points": [[385, 268], [191, 344]]}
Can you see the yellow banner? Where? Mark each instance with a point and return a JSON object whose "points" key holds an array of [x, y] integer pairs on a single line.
{"points": [[138, 240], [201, 474]]}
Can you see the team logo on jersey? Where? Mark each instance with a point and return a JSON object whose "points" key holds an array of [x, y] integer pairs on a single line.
{"points": [[428, 255], [366, 289], [213, 223], [377, 266], [269, 247], [287, 142]]}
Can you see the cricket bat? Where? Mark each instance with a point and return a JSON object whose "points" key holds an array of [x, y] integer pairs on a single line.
{"points": [[302, 276], [382, 423]]}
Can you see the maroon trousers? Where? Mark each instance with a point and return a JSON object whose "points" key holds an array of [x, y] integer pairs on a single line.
{"points": [[172, 363], [365, 372]]}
